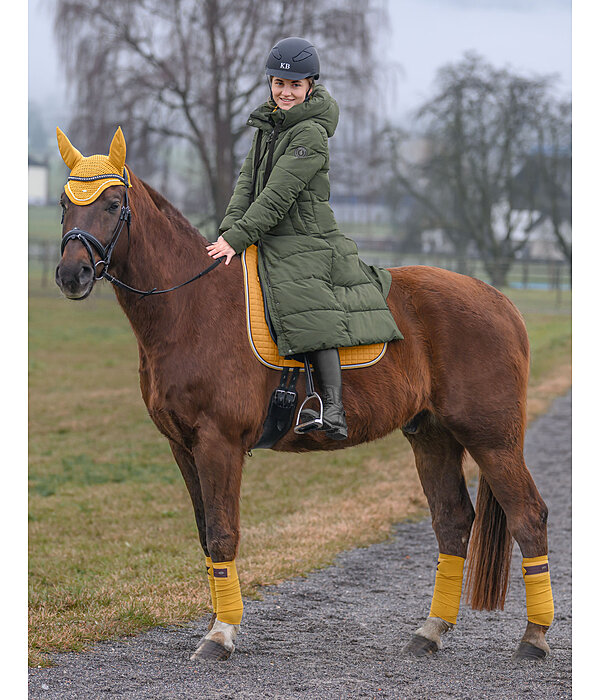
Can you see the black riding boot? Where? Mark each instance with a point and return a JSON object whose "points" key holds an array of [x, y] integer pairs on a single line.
{"points": [[328, 372]]}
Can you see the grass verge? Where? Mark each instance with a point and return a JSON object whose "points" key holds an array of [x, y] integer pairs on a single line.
{"points": [[113, 544]]}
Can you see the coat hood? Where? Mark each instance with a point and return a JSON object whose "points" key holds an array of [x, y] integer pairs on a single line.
{"points": [[321, 107]]}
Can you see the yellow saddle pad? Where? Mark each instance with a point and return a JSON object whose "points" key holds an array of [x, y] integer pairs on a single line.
{"points": [[258, 332]]}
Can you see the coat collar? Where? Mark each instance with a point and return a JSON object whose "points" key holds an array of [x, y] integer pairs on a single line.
{"points": [[321, 107]]}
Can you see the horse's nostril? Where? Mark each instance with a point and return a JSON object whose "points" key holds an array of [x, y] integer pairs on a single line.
{"points": [[86, 273]]}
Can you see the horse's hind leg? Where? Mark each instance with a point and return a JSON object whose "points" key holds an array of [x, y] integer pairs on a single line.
{"points": [[511, 486], [438, 458]]}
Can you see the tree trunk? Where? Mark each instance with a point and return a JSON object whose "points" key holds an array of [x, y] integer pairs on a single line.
{"points": [[498, 272], [224, 166], [460, 248]]}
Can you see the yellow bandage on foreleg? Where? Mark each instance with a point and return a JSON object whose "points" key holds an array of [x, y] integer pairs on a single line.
{"points": [[211, 583], [229, 597], [448, 587], [538, 591]]}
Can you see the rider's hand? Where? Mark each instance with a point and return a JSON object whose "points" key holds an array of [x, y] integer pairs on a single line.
{"points": [[221, 248]]}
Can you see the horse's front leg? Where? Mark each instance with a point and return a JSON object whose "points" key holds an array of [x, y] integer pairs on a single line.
{"points": [[187, 465], [438, 458], [219, 466]]}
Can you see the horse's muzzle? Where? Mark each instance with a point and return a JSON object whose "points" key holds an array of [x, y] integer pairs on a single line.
{"points": [[75, 280]]}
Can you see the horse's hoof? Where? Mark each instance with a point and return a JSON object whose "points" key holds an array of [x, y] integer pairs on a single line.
{"points": [[420, 646], [211, 651], [529, 651]]}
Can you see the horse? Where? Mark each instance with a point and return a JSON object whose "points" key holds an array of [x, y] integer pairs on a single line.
{"points": [[457, 382]]}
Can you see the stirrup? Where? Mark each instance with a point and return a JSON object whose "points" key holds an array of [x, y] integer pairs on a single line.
{"points": [[316, 423]]}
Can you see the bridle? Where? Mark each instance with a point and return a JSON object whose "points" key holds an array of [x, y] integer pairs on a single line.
{"points": [[91, 243]]}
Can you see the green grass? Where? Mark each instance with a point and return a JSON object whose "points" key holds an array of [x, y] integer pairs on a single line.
{"points": [[44, 222], [550, 339], [540, 301], [112, 537]]}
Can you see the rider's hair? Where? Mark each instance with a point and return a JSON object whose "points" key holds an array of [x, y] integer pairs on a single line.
{"points": [[311, 79]]}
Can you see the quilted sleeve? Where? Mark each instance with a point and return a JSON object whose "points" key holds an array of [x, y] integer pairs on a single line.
{"points": [[240, 199], [304, 156]]}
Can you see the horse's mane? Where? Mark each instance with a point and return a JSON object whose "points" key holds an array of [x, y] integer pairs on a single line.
{"points": [[165, 207]]}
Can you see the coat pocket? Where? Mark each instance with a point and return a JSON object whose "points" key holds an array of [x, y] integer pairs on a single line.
{"points": [[296, 220]]}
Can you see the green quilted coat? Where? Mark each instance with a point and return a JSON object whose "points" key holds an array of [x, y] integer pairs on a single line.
{"points": [[318, 292]]}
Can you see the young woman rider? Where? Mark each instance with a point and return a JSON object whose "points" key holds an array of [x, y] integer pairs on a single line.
{"points": [[319, 295]]}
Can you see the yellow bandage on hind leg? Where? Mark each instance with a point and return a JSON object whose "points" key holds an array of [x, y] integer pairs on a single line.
{"points": [[229, 597], [211, 583], [448, 588], [538, 591]]}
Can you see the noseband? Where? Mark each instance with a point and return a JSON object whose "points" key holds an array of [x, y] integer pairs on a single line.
{"points": [[91, 243]]}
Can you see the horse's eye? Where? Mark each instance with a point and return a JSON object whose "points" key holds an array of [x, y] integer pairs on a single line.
{"points": [[114, 206]]}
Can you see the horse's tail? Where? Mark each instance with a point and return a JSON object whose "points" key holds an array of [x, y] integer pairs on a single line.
{"points": [[489, 554]]}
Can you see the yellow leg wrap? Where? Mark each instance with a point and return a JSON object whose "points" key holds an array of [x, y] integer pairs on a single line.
{"points": [[538, 591], [229, 597], [448, 588], [211, 583]]}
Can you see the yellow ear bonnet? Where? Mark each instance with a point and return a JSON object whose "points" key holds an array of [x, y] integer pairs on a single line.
{"points": [[69, 153], [91, 175], [116, 154]]}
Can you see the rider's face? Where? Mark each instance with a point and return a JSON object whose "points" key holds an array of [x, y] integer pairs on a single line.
{"points": [[288, 93]]}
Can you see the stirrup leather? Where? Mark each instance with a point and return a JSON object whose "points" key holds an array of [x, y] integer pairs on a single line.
{"points": [[315, 423]]}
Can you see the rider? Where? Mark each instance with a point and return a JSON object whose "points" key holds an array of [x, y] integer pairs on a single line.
{"points": [[319, 295]]}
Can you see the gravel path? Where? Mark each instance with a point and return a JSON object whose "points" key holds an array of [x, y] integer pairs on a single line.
{"points": [[339, 632]]}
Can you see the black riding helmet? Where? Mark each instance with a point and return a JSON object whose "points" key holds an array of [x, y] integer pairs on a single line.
{"points": [[292, 58]]}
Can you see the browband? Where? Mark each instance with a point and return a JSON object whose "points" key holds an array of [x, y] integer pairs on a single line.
{"points": [[109, 176]]}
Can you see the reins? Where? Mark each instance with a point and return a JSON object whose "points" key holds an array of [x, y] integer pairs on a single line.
{"points": [[150, 292], [91, 243]]}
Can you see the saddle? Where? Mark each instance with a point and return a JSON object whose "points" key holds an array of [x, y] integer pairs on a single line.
{"points": [[261, 341], [283, 402]]}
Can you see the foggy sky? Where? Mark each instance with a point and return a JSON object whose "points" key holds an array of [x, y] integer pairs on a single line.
{"points": [[531, 36]]}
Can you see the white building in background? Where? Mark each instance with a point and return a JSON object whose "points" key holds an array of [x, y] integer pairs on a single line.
{"points": [[530, 225], [435, 241], [359, 209], [542, 240], [38, 183], [524, 224]]}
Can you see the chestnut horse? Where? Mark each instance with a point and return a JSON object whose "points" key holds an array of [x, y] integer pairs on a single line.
{"points": [[456, 382]]}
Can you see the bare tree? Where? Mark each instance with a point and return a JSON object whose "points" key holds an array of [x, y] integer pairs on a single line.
{"points": [[554, 165], [482, 128], [185, 73]]}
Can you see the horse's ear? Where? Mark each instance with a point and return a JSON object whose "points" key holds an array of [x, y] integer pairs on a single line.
{"points": [[116, 155], [69, 153]]}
